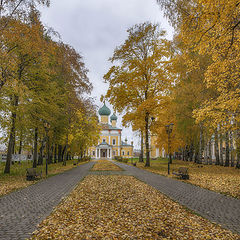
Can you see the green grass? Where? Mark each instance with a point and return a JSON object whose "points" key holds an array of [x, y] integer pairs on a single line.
{"points": [[20, 169], [16, 169]]}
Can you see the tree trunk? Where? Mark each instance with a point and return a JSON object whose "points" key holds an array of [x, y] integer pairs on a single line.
{"points": [[238, 155], [20, 146], [221, 151], [147, 164], [191, 153], [59, 153], [210, 151], [35, 148], [40, 157], [216, 149], [63, 155], [196, 157], [186, 153], [14, 142], [205, 152], [66, 152], [231, 149], [200, 145], [55, 153], [141, 153], [51, 154], [238, 146], [227, 149], [11, 137], [47, 149]]}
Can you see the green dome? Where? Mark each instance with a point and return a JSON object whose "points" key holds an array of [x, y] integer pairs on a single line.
{"points": [[104, 111], [113, 117]]}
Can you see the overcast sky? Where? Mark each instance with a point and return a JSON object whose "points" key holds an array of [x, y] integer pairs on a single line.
{"points": [[95, 27]]}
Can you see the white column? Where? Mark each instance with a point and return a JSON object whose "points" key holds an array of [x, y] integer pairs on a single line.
{"points": [[213, 150], [157, 152]]}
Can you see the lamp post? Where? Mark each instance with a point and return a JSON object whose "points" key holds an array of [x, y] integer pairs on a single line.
{"points": [[169, 129], [46, 127]]}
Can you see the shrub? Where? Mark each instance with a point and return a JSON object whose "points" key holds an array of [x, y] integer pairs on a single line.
{"points": [[84, 159], [118, 158]]}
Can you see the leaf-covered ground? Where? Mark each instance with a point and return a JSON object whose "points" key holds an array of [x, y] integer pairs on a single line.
{"points": [[105, 165], [17, 178], [216, 178], [122, 207]]}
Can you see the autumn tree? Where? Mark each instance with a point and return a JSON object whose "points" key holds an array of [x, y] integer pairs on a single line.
{"points": [[42, 81], [138, 124], [212, 28], [138, 80], [72, 77], [28, 53], [165, 114], [13, 12], [18, 8], [85, 129]]}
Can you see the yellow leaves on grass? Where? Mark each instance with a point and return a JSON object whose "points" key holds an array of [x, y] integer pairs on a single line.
{"points": [[121, 207], [105, 165], [216, 178], [223, 183], [12, 183]]}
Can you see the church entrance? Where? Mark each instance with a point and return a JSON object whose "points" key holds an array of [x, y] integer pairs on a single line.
{"points": [[103, 153]]}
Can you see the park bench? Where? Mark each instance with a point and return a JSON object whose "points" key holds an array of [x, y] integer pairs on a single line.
{"points": [[182, 173], [32, 174]]}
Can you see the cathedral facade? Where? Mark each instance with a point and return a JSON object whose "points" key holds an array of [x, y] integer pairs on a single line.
{"points": [[110, 143]]}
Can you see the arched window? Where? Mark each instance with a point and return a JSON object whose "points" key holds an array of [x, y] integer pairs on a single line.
{"points": [[114, 141]]}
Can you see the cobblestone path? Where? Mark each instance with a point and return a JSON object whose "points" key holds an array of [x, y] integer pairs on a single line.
{"points": [[216, 207], [23, 210]]}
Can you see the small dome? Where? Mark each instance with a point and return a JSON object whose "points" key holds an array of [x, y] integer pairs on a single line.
{"points": [[104, 111], [113, 117]]}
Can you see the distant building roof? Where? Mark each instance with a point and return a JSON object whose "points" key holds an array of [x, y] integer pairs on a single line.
{"points": [[104, 144], [106, 126], [126, 144]]}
